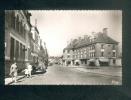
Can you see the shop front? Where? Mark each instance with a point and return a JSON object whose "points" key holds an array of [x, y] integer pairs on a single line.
{"points": [[77, 62], [91, 62], [104, 62], [83, 61]]}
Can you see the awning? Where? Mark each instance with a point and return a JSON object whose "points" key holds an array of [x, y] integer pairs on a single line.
{"points": [[91, 60], [104, 60], [77, 60]]}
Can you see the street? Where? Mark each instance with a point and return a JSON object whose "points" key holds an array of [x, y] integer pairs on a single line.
{"points": [[59, 75]]}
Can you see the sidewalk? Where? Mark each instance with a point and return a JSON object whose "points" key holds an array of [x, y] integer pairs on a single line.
{"points": [[110, 71], [8, 81]]}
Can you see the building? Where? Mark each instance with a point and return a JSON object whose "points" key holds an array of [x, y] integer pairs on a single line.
{"points": [[96, 50], [35, 44], [17, 29], [22, 40]]}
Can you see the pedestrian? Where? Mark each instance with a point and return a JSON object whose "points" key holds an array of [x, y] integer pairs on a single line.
{"points": [[13, 72], [29, 67], [26, 72]]}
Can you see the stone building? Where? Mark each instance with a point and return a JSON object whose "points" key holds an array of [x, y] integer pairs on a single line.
{"points": [[22, 40], [35, 44], [96, 50], [17, 29]]}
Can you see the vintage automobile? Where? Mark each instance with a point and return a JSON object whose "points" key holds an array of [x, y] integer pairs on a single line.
{"points": [[38, 68]]}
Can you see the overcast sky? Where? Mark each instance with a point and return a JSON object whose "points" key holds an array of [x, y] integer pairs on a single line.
{"points": [[56, 27]]}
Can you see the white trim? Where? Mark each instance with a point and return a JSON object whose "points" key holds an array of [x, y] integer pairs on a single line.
{"points": [[17, 39]]}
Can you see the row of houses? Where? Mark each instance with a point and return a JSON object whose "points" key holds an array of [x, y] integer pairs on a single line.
{"points": [[22, 40], [55, 60], [96, 50]]}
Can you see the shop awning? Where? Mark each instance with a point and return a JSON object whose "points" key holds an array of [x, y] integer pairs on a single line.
{"points": [[91, 60], [104, 60], [77, 60]]}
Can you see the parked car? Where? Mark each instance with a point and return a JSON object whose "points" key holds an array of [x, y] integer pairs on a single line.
{"points": [[50, 64], [39, 68]]}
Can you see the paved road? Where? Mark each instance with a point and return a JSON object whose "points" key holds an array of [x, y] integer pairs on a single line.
{"points": [[59, 75]]}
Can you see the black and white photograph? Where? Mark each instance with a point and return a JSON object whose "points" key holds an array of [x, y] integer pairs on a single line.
{"points": [[63, 47]]}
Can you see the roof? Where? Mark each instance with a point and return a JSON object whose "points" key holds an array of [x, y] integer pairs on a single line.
{"points": [[69, 47], [100, 38]]}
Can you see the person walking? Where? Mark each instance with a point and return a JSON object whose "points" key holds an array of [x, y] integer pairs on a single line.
{"points": [[13, 71], [29, 67], [26, 72]]}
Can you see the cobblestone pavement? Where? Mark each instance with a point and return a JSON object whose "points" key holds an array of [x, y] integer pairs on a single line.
{"points": [[59, 75]]}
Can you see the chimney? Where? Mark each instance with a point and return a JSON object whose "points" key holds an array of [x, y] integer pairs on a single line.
{"points": [[105, 31]]}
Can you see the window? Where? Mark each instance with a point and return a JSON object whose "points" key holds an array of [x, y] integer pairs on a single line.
{"points": [[68, 56], [114, 61], [24, 49], [17, 50], [92, 47], [21, 28], [102, 54], [114, 54], [21, 50], [94, 54], [17, 23], [91, 54], [13, 20], [113, 47], [102, 46]]}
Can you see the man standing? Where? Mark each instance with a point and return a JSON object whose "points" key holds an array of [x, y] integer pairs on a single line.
{"points": [[29, 67], [13, 71]]}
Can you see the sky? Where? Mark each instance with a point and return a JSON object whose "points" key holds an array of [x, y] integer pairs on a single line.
{"points": [[58, 27]]}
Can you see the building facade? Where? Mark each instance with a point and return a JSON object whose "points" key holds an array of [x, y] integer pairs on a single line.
{"points": [[35, 44], [17, 28], [96, 50], [22, 40]]}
